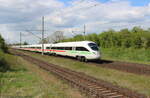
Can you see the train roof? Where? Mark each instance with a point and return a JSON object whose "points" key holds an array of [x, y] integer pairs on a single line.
{"points": [[77, 43]]}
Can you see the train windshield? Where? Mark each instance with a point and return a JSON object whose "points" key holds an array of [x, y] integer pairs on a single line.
{"points": [[93, 46]]}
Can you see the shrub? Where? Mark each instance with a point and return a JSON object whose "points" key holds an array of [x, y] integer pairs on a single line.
{"points": [[3, 64]]}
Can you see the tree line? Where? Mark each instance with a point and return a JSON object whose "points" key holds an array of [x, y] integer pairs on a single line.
{"points": [[3, 46], [125, 38], [3, 49]]}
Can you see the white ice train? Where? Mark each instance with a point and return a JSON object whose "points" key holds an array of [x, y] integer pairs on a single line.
{"points": [[82, 50]]}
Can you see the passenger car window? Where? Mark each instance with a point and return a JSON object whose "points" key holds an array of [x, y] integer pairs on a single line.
{"points": [[60, 48], [47, 47], [52, 48], [81, 49], [68, 48], [38, 47]]}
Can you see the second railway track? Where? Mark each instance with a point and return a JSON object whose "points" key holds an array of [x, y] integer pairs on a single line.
{"points": [[135, 68], [140, 69], [92, 87]]}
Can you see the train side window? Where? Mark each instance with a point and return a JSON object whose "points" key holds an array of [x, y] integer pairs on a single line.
{"points": [[47, 47], [81, 49], [54, 48], [68, 48], [59, 48], [38, 47], [62, 48]]}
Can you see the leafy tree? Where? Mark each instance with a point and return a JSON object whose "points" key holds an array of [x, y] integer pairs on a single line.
{"points": [[3, 45], [3, 48], [137, 30]]}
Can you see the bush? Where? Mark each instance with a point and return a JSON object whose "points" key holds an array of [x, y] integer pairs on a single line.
{"points": [[3, 46], [3, 64], [126, 54]]}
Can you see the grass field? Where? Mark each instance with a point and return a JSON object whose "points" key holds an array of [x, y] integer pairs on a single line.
{"points": [[135, 82], [127, 54], [24, 79]]}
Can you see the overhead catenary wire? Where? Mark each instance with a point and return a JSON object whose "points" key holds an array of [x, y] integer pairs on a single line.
{"points": [[33, 34]]}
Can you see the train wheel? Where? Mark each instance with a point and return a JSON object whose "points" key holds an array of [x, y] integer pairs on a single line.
{"points": [[84, 59], [78, 58], [54, 54]]}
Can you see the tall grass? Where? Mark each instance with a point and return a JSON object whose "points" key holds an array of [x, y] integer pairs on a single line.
{"points": [[127, 54]]}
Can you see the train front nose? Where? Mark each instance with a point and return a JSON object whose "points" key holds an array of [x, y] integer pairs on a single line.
{"points": [[97, 54]]}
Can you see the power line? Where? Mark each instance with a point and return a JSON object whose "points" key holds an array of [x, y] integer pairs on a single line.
{"points": [[42, 32], [81, 8], [34, 34]]}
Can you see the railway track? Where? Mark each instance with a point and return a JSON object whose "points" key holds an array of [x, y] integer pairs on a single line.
{"points": [[140, 69], [92, 87]]}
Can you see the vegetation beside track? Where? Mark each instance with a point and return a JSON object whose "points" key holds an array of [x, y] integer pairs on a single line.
{"points": [[3, 46], [3, 49], [27, 80], [4, 66], [127, 54], [138, 83]]}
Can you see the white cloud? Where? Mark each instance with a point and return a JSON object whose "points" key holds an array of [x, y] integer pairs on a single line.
{"points": [[116, 14]]}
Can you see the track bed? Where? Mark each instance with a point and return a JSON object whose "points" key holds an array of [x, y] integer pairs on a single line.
{"points": [[92, 87], [140, 69]]}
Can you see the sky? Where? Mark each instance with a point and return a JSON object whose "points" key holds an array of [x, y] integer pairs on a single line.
{"points": [[133, 2], [69, 15]]}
